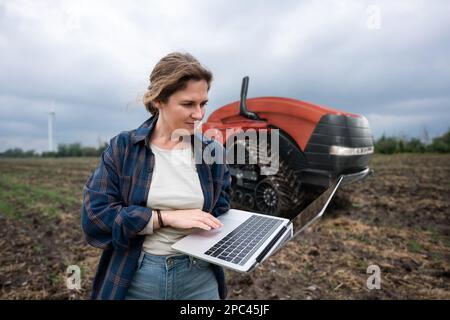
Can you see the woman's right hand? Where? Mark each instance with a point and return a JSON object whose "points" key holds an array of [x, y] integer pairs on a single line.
{"points": [[191, 218]]}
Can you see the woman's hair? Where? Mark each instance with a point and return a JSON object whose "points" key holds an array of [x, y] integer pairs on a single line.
{"points": [[171, 74]]}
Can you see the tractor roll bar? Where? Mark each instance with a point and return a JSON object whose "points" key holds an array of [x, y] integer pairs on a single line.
{"points": [[243, 105]]}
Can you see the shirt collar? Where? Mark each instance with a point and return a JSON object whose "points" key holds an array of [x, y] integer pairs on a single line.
{"points": [[144, 131]]}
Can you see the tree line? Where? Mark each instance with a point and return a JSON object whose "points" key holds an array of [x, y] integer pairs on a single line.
{"points": [[384, 145], [390, 145], [64, 150]]}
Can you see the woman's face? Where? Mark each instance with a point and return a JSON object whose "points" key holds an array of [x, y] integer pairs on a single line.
{"points": [[185, 107]]}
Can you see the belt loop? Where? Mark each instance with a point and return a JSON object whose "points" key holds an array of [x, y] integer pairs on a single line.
{"points": [[191, 260]]}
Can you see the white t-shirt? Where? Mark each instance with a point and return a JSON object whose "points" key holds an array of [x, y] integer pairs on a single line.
{"points": [[175, 185]]}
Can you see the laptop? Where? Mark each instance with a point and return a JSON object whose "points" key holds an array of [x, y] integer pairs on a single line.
{"points": [[247, 238]]}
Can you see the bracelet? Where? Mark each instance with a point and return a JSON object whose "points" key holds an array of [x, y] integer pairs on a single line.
{"points": [[160, 221]]}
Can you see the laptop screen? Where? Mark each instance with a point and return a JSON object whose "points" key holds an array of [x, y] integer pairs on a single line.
{"points": [[315, 209]]}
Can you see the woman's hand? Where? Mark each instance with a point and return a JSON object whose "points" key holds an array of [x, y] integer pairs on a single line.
{"points": [[192, 218]]}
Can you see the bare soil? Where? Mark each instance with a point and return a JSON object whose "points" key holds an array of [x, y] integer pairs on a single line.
{"points": [[398, 219]]}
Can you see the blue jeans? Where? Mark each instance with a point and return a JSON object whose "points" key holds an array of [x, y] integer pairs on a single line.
{"points": [[177, 277]]}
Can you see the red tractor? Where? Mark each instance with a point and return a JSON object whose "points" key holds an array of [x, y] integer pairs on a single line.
{"points": [[316, 145]]}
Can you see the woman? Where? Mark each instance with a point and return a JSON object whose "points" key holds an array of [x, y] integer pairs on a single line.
{"points": [[149, 190]]}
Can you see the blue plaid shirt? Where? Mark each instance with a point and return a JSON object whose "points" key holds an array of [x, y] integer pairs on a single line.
{"points": [[114, 205]]}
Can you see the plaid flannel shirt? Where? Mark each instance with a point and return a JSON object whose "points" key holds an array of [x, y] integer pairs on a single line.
{"points": [[114, 205]]}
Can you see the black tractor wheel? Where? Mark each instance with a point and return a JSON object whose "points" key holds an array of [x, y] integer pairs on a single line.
{"points": [[278, 194]]}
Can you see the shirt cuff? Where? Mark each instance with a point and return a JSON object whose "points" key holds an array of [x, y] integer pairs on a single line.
{"points": [[148, 229]]}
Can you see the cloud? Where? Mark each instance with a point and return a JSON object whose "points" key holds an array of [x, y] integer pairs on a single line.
{"points": [[93, 59]]}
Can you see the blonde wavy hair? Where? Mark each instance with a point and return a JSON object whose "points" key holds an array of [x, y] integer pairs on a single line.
{"points": [[171, 74]]}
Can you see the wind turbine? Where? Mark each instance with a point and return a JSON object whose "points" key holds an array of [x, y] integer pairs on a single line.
{"points": [[51, 121]]}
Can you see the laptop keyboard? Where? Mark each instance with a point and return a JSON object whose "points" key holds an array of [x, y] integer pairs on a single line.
{"points": [[239, 245]]}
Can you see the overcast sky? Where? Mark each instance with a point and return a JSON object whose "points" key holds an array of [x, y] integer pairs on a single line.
{"points": [[386, 60]]}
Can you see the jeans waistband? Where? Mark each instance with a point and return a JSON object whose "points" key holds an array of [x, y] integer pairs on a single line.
{"points": [[168, 261]]}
